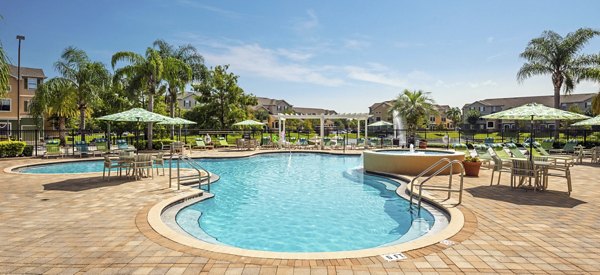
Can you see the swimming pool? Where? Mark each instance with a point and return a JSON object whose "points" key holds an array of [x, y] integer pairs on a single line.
{"points": [[298, 202]]}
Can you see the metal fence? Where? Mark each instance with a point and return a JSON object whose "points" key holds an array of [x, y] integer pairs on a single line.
{"points": [[36, 138]]}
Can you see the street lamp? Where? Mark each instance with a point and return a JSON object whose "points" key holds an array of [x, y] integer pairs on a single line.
{"points": [[20, 38]]}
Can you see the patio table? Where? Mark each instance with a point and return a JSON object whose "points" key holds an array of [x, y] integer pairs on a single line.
{"points": [[543, 166]]}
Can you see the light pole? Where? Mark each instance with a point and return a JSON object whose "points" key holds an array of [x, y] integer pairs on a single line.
{"points": [[20, 38]]}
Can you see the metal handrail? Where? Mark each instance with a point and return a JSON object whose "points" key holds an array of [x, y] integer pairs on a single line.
{"points": [[449, 164], [194, 165]]}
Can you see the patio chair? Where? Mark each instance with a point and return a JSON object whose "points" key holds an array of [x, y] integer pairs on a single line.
{"points": [[327, 143], [547, 143], [159, 160], [524, 169], [488, 141], [123, 146], [499, 166], [500, 152], [267, 143], [110, 164], [388, 142], [240, 144], [142, 166], [516, 153], [360, 143], [53, 149], [179, 147], [554, 169], [569, 148]]}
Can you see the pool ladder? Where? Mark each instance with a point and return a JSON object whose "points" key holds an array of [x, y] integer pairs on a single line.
{"points": [[440, 166], [196, 177]]}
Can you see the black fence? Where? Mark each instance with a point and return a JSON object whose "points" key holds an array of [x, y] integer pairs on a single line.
{"points": [[68, 138]]}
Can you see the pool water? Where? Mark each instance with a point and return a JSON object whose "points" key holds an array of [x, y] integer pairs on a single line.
{"points": [[416, 152], [299, 202]]}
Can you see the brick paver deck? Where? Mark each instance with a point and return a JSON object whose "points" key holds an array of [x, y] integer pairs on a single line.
{"points": [[68, 224]]}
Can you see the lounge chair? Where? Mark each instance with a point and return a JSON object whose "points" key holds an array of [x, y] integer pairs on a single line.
{"points": [[123, 146], [223, 143], [101, 146], [488, 141], [500, 152], [539, 151], [569, 148], [547, 144], [461, 147], [360, 143], [53, 149], [201, 145], [483, 153], [516, 153], [82, 148]]}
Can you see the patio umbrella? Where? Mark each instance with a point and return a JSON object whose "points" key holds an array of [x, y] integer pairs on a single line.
{"points": [[177, 121], [250, 123], [588, 122], [380, 123], [534, 111], [135, 115]]}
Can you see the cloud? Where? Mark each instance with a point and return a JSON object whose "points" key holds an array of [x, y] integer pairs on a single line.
{"points": [[197, 5], [377, 74], [402, 44], [308, 23], [279, 64], [472, 85], [356, 44]]}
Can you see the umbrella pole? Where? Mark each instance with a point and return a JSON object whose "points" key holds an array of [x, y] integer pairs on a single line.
{"points": [[531, 141]]}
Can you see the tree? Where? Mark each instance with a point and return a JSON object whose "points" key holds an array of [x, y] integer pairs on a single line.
{"points": [[4, 72], [88, 79], [261, 115], [144, 73], [455, 115], [596, 104], [473, 116], [414, 107], [560, 57], [221, 102], [54, 99]]}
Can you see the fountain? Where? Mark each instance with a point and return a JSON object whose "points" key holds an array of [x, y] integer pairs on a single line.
{"points": [[412, 148], [399, 132]]}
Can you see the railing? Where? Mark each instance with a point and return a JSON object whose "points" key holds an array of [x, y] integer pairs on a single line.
{"points": [[448, 165], [199, 178]]}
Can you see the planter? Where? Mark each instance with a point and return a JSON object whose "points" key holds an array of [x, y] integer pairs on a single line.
{"points": [[472, 168], [423, 144]]}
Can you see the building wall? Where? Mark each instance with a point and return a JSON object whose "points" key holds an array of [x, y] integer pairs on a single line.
{"points": [[26, 96], [381, 113]]}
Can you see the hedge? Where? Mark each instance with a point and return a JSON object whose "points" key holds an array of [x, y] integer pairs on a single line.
{"points": [[11, 148]]}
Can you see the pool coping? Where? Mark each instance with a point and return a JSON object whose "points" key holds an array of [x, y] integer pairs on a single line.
{"points": [[456, 221]]}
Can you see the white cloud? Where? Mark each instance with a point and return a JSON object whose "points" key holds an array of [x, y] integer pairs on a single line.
{"points": [[356, 44], [275, 64], [197, 5], [402, 44], [308, 23]]}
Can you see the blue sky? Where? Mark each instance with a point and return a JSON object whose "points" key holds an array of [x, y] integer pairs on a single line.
{"points": [[342, 55]]}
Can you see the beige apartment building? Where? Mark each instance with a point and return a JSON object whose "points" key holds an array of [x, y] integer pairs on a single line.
{"points": [[31, 78]]}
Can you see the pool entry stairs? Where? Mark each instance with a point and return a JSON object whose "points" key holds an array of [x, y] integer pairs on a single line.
{"points": [[432, 171], [188, 172]]}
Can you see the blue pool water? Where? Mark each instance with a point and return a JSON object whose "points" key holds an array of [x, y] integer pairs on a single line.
{"points": [[297, 202]]}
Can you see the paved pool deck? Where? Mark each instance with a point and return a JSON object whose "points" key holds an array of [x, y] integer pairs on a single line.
{"points": [[69, 224]]}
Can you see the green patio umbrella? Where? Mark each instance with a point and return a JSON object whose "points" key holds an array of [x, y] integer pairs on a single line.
{"points": [[134, 115], [249, 122], [380, 123], [588, 122], [534, 111], [177, 121]]}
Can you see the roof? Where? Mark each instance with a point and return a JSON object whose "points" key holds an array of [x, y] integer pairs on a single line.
{"points": [[26, 72], [547, 100], [375, 105], [303, 110], [265, 101], [186, 95]]}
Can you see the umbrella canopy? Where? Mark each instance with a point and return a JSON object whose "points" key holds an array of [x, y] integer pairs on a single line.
{"points": [[176, 121], [534, 111], [380, 123], [588, 122], [135, 115], [249, 122]]}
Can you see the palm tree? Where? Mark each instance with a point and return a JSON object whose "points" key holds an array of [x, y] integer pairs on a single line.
{"points": [[454, 114], [4, 72], [560, 57], [144, 72], [54, 99], [89, 79], [413, 106], [596, 104]]}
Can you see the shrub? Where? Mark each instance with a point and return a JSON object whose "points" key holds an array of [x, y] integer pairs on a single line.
{"points": [[28, 151], [11, 148]]}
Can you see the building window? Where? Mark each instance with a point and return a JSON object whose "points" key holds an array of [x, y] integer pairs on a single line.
{"points": [[26, 105], [4, 105], [482, 109], [5, 129], [431, 119], [31, 83], [490, 125], [443, 119], [471, 108], [186, 103]]}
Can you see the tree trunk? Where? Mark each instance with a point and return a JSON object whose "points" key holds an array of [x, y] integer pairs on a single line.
{"points": [[82, 122], [557, 81], [172, 111], [150, 108], [62, 130]]}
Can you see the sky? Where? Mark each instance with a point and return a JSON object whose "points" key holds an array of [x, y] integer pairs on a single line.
{"points": [[340, 55]]}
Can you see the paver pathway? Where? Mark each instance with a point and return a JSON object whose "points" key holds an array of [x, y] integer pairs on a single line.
{"points": [[65, 224]]}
